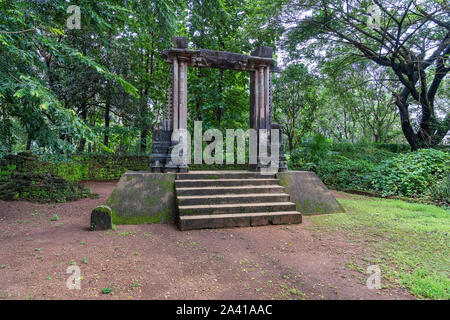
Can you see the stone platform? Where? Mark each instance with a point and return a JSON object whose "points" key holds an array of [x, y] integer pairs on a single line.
{"points": [[219, 199]]}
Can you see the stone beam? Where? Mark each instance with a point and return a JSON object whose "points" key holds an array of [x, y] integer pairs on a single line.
{"points": [[218, 59]]}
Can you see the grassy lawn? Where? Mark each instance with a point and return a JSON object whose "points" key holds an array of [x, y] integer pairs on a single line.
{"points": [[409, 242]]}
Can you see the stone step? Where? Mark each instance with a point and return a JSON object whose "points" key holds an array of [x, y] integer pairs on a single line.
{"points": [[232, 198], [203, 191], [225, 182], [211, 209], [238, 220], [214, 175]]}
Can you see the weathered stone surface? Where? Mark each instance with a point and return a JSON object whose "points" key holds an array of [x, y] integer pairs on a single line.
{"points": [[205, 58], [238, 220], [263, 51], [180, 42], [308, 193], [101, 218], [143, 197], [228, 198]]}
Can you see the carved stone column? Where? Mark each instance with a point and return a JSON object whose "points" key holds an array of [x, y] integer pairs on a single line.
{"points": [[182, 111], [179, 100], [175, 86], [267, 102]]}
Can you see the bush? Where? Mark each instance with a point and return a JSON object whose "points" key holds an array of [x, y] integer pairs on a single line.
{"points": [[410, 174], [78, 168], [393, 147], [342, 173], [42, 188], [440, 192], [363, 151], [312, 150]]}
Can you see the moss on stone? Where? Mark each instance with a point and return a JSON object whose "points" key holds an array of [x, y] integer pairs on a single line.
{"points": [[162, 216], [147, 198]]}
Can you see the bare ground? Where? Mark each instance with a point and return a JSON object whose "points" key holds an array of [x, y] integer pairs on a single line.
{"points": [[159, 262]]}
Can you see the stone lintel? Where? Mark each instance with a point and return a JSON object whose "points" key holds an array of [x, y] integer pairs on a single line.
{"points": [[218, 59]]}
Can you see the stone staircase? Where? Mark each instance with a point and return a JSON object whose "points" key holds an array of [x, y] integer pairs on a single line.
{"points": [[224, 199]]}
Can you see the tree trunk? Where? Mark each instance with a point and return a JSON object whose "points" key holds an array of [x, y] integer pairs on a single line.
{"points": [[291, 141], [400, 101], [220, 105], [107, 111], [83, 116], [143, 147]]}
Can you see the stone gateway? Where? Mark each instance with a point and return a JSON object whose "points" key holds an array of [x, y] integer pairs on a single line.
{"points": [[217, 199]]}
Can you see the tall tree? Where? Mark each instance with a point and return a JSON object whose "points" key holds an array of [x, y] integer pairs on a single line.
{"points": [[412, 39], [295, 102]]}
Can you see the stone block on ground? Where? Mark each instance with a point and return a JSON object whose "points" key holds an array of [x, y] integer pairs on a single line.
{"points": [[101, 218]]}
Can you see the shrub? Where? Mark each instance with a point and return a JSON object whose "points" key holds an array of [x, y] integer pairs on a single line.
{"points": [[342, 173], [78, 168], [410, 174], [440, 192], [42, 188], [313, 149], [363, 151]]}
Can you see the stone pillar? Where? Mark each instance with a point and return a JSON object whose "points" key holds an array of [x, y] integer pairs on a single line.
{"points": [[260, 95], [179, 98], [261, 102], [254, 109], [175, 86], [267, 102], [182, 102]]}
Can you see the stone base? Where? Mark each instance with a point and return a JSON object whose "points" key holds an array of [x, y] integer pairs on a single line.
{"points": [[146, 197], [143, 197], [309, 193]]}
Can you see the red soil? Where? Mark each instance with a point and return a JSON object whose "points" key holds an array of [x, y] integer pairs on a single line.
{"points": [[159, 262]]}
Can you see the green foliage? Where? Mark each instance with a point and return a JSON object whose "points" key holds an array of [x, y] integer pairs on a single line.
{"points": [[343, 173], [393, 147], [363, 151], [42, 188], [36, 53], [440, 192], [410, 174], [315, 148], [94, 167], [409, 241], [374, 168], [296, 99], [107, 291]]}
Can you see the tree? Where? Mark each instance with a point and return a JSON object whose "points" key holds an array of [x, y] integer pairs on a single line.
{"points": [[412, 40], [295, 102], [34, 52], [361, 95]]}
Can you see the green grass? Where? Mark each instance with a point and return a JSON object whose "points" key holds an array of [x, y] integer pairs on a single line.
{"points": [[410, 242]]}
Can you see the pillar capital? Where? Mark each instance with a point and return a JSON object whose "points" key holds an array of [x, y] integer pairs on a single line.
{"points": [[180, 42], [263, 51]]}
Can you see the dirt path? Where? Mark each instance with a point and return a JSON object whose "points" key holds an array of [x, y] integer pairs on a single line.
{"points": [[160, 262]]}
